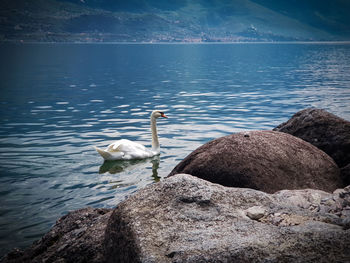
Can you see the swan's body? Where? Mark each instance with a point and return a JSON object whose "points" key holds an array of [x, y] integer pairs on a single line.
{"points": [[128, 150], [125, 150]]}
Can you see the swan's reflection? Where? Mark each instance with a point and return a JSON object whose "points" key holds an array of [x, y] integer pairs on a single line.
{"points": [[114, 167], [155, 165]]}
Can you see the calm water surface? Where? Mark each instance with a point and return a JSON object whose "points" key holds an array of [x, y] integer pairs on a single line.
{"points": [[59, 100]]}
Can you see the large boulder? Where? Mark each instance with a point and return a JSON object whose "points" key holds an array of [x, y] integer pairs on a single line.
{"points": [[345, 174], [76, 237], [186, 219], [264, 160], [326, 131]]}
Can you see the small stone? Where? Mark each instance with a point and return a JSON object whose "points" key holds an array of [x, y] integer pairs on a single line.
{"points": [[255, 212]]}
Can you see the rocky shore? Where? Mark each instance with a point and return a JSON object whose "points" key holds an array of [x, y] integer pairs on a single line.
{"points": [[262, 196]]}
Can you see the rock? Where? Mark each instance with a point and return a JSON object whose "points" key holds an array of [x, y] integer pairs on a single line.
{"points": [[255, 212], [186, 219], [322, 129], [345, 174], [76, 237], [264, 160]]}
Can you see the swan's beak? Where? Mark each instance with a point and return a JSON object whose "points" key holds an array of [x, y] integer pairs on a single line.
{"points": [[163, 115]]}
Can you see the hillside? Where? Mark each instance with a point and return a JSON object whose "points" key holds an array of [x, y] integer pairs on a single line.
{"points": [[175, 21]]}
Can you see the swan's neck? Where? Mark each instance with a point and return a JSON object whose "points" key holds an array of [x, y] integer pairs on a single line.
{"points": [[155, 142]]}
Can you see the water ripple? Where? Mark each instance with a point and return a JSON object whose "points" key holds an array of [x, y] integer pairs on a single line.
{"points": [[47, 159]]}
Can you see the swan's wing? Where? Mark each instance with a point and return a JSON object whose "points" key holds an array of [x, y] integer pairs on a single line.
{"points": [[113, 147], [126, 146], [108, 156], [129, 150]]}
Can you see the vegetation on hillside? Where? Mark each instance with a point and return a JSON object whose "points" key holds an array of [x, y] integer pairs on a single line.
{"points": [[171, 21]]}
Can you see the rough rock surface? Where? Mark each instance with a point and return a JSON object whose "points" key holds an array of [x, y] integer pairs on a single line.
{"points": [[345, 174], [263, 160], [76, 237], [326, 131], [186, 219]]}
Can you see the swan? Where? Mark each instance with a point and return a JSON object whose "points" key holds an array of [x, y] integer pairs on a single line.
{"points": [[128, 150]]}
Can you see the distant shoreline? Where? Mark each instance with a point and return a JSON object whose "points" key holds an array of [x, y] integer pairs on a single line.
{"points": [[179, 43]]}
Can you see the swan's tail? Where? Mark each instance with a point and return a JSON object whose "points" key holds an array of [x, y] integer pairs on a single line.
{"points": [[106, 155]]}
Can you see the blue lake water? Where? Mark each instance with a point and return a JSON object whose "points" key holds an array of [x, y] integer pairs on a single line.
{"points": [[57, 101]]}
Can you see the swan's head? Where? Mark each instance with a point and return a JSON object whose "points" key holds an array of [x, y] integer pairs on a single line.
{"points": [[156, 114]]}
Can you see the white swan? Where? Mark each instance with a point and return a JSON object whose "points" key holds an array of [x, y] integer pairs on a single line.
{"points": [[128, 150]]}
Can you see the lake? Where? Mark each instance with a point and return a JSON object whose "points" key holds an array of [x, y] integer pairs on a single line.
{"points": [[59, 100]]}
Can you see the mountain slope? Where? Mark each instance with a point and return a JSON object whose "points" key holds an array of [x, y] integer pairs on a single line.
{"points": [[165, 21], [332, 16]]}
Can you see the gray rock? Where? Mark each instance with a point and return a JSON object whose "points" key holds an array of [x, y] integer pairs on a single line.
{"points": [[186, 219], [76, 237], [265, 160], [255, 212], [345, 174], [324, 130]]}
